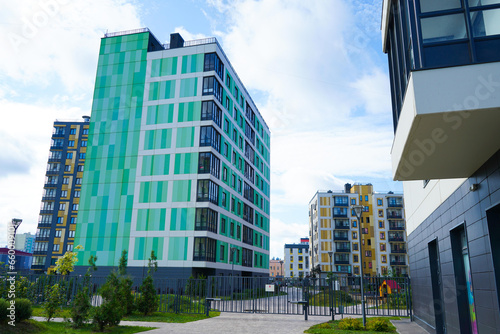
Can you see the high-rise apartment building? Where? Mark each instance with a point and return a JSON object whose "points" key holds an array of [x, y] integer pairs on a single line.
{"points": [[25, 242], [297, 259], [444, 63], [333, 231], [61, 193], [177, 163]]}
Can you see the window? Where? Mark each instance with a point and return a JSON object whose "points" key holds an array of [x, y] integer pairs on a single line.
{"points": [[384, 258], [62, 206], [354, 223], [226, 150], [56, 248], [65, 180], [78, 180], [366, 198], [379, 201], [72, 220], [226, 125], [235, 135], [222, 252], [64, 193], [72, 131], [355, 246], [67, 168], [58, 233], [81, 156], [369, 242], [211, 112], [69, 155], [204, 249], [356, 258], [354, 235], [382, 235], [208, 191], [206, 220], [234, 157], [381, 224], [382, 247], [368, 253], [80, 168], [211, 86], [223, 225], [213, 63], [224, 174], [210, 137], [232, 204], [381, 213], [74, 207], [233, 180], [71, 143], [239, 185], [208, 163], [227, 104], [60, 220], [231, 230], [364, 230], [84, 143], [85, 131], [71, 234], [223, 199], [69, 247], [356, 270]]}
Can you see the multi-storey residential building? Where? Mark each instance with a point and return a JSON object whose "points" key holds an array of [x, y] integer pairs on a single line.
{"points": [[178, 162], [444, 64], [276, 269], [61, 193], [333, 231], [297, 260], [25, 242]]}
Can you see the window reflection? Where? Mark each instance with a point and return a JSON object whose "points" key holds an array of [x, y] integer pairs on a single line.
{"points": [[433, 5], [443, 28], [485, 22]]}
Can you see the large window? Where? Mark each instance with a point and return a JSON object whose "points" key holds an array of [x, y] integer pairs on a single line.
{"points": [[248, 213], [248, 192], [247, 256], [213, 63], [206, 220], [248, 235], [212, 86], [210, 137], [208, 191], [209, 163], [204, 249], [211, 112]]}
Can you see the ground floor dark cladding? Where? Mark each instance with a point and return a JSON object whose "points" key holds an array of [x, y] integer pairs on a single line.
{"points": [[455, 258], [171, 272]]}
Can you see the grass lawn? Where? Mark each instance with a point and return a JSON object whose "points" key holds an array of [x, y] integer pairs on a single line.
{"points": [[333, 327], [340, 297], [154, 317], [32, 326]]}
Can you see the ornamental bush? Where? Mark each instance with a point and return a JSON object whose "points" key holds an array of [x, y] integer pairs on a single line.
{"points": [[3, 310], [350, 324], [23, 309], [378, 325]]}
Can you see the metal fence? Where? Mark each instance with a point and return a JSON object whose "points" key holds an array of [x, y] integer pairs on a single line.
{"points": [[336, 295]]}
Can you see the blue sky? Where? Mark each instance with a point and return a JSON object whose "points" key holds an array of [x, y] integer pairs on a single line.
{"points": [[314, 68]]}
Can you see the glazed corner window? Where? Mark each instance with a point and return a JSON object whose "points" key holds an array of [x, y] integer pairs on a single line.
{"points": [[71, 143], [443, 28]]}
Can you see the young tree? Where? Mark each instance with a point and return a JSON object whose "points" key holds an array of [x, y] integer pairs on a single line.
{"points": [[127, 299], [66, 263], [148, 301]]}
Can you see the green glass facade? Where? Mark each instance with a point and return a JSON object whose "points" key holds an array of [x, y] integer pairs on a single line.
{"points": [[173, 164]]}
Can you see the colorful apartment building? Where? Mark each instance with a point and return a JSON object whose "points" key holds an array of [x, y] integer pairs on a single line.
{"points": [[177, 163], [276, 268], [297, 260], [333, 231], [61, 194]]}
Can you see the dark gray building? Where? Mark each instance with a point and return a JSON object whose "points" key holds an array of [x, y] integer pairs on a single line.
{"points": [[444, 64]]}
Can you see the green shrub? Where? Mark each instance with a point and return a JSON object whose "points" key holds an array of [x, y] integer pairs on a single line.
{"points": [[81, 307], [148, 300], [3, 310], [126, 296], [378, 325], [23, 309], [350, 324], [111, 311], [53, 301]]}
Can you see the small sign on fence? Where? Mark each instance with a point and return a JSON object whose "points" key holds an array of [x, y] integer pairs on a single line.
{"points": [[269, 287]]}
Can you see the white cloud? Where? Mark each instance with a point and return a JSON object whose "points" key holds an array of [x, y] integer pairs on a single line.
{"points": [[188, 36], [285, 233]]}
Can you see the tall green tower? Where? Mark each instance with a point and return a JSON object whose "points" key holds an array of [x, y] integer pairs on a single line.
{"points": [[177, 162]]}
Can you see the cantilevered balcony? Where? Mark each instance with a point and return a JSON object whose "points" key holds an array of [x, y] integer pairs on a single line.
{"points": [[396, 237], [341, 235]]}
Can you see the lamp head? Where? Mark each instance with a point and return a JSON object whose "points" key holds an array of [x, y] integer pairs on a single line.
{"points": [[16, 222], [358, 209]]}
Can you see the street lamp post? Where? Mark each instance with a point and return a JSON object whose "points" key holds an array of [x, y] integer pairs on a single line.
{"points": [[358, 210], [233, 250], [330, 253], [281, 266]]}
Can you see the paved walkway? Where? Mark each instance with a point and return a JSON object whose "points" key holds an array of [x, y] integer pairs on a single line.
{"points": [[251, 323]]}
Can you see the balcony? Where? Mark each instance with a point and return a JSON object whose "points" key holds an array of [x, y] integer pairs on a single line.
{"points": [[56, 147], [341, 261], [39, 252], [398, 263], [343, 249], [50, 185], [339, 213], [342, 225], [55, 159], [341, 201], [341, 237], [394, 202], [52, 172], [42, 238], [392, 214], [396, 238], [37, 267], [398, 250], [437, 134], [396, 226], [46, 212]]}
